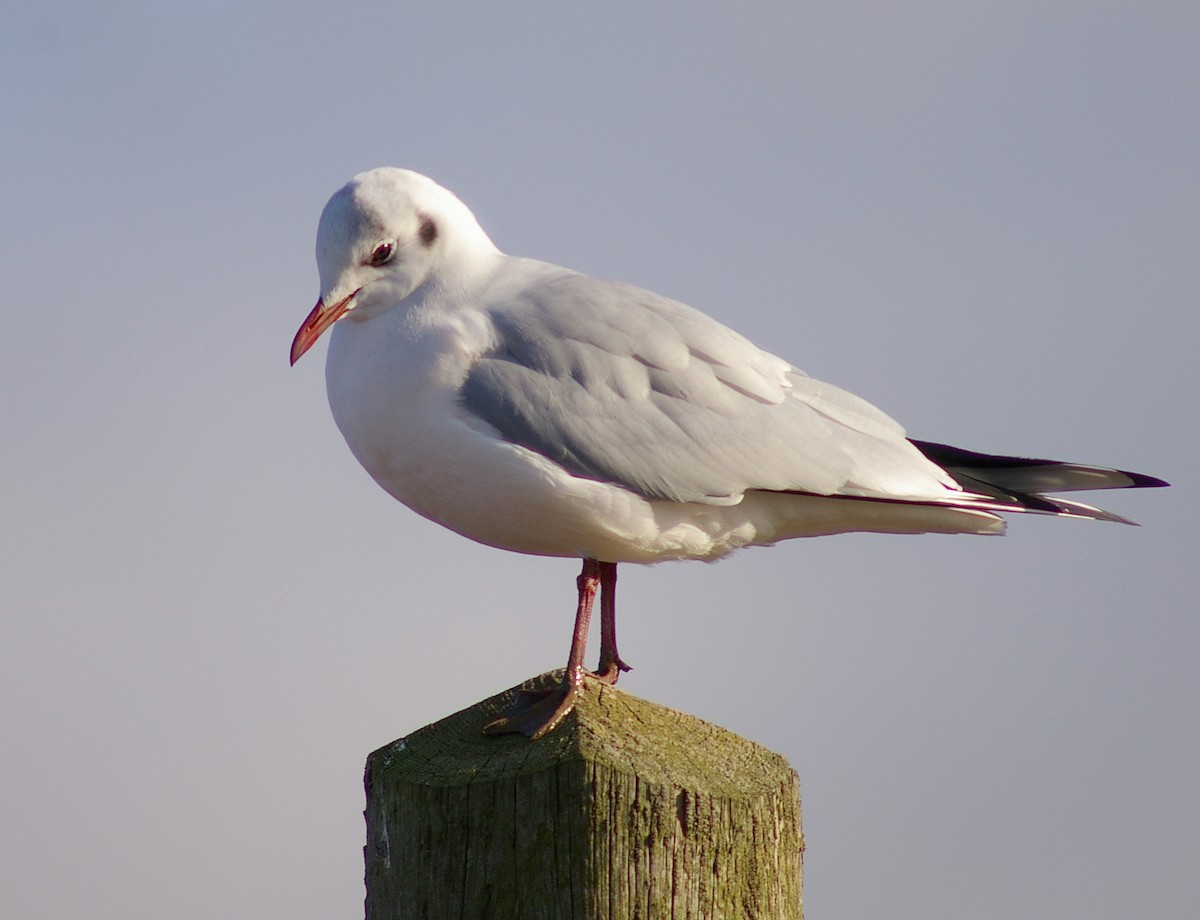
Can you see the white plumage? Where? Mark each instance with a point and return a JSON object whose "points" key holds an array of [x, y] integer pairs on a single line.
{"points": [[544, 411]]}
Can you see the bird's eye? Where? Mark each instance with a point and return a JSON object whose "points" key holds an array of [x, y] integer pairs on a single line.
{"points": [[382, 254]]}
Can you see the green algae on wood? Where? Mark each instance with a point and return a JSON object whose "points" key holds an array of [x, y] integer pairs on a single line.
{"points": [[627, 810]]}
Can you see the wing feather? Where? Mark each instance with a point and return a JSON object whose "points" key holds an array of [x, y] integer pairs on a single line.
{"points": [[621, 385]]}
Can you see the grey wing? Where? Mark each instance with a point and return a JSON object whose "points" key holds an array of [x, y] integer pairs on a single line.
{"points": [[618, 384]]}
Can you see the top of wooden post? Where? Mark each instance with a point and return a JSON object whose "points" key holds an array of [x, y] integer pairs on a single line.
{"points": [[607, 726], [627, 809]]}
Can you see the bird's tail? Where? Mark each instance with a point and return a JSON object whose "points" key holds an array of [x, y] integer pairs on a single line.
{"points": [[1020, 484]]}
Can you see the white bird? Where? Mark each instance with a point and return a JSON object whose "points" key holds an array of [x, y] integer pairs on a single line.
{"points": [[543, 411]]}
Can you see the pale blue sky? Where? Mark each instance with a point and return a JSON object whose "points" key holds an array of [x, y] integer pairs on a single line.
{"points": [[983, 217]]}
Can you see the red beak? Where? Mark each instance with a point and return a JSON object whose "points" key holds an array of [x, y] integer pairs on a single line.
{"points": [[320, 319]]}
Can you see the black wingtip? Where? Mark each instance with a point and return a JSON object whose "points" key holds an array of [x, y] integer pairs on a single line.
{"points": [[947, 456], [1142, 481]]}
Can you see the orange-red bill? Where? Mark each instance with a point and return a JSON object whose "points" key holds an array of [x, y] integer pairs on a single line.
{"points": [[320, 319]]}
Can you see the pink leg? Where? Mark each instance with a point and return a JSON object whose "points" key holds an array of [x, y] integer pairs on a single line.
{"points": [[537, 713], [588, 582], [611, 664]]}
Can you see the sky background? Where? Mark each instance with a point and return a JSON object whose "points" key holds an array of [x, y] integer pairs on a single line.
{"points": [[983, 217]]}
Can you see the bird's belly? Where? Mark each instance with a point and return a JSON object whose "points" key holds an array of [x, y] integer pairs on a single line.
{"points": [[402, 420], [428, 452], [450, 469]]}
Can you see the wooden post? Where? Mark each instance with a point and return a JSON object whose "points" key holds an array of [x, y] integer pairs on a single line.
{"points": [[627, 810]]}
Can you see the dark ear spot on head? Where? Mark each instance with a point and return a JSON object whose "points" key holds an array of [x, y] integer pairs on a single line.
{"points": [[428, 232]]}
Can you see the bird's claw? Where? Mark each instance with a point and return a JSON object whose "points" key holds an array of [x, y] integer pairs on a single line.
{"points": [[610, 671], [536, 713]]}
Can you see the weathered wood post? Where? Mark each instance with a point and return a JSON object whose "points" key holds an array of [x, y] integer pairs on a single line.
{"points": [[627, 810]]}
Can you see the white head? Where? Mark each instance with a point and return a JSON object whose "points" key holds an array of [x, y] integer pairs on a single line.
{"points": [[382, 236]]}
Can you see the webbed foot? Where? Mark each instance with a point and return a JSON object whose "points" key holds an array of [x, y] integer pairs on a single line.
{"points": [[536, 713]]}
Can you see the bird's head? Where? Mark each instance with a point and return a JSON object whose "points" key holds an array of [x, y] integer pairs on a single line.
{"points": [[383, 235]]}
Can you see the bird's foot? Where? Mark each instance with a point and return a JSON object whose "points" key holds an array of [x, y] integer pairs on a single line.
{"points": [[536, 713], [611, 670]]}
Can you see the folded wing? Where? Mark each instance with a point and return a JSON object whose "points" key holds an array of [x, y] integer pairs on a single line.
{"points": [[624, 386]]}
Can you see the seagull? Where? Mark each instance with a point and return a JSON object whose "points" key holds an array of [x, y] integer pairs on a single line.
{"points": [[539, 410]]}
